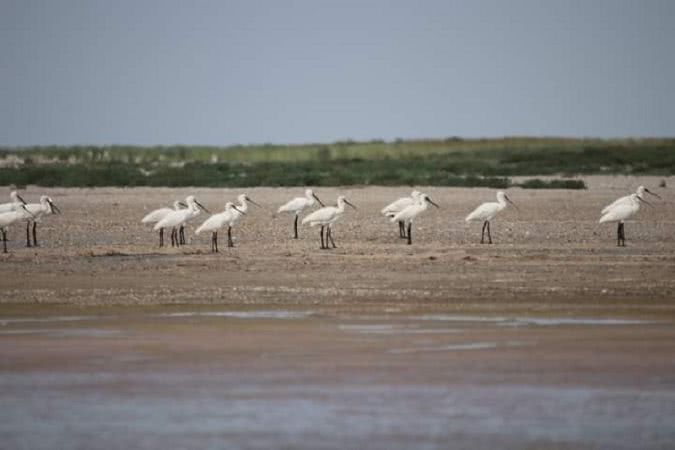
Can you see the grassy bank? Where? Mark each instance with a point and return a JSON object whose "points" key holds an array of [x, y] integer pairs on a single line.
{"points": [[449, 162]]}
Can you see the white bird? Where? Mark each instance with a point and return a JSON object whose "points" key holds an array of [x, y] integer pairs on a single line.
{"points": [[408, 214], [326, 217], [623, 211], [16, 200], [37, 210], [487, 211], [399, 205], [237, 212], [8, 218], [159, 214], [216, 222], [298, 205], [641, 191], [178, 218]]}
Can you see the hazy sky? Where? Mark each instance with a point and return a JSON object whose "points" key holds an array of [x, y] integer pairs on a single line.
{"points": [[226, 72]]}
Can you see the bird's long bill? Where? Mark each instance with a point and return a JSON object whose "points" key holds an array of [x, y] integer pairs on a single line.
{"points": [[644, 201], [653, 193], [234, 207], [432, 202], [513, 204], [249, 199], [347, 202], [20, 199], [182, 204], [318, 200], [54, 207], [26, 209], [202, 207]]}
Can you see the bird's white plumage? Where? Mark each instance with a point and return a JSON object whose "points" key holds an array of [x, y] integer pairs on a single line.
{"points": [[217, 221], [622, 210], [180, 217], [326, 215], [8, 218], [399, 205], [161, 213], [298, 204], [39, 209], [13, 205], [409, 213], [640, 192], [487, 211]]}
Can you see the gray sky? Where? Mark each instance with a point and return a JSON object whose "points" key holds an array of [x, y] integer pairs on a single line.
{"points": [[226, 72]]}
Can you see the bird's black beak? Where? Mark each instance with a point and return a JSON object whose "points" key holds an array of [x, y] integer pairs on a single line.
{"points": [[249, 199], [182, 204], [644, 201], [513, 204], [432, 202], [239, 209], [317, 199], [652, 193], [202, 207], [20, 199], [54, 208], [347, 202]]}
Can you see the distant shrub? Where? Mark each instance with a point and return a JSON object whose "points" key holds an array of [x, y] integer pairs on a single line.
{"points": [[537, 183]]}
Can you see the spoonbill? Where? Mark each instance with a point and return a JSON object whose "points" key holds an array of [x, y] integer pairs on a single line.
{"points": [[8, 218], [399, 205], [298, 205], [216, 222], [16, 200], [326, 217], [640, 192], [37, 210], [623, 211], [487, 211], [159, 214], [177, 218], [240, 210], [408, 214]]}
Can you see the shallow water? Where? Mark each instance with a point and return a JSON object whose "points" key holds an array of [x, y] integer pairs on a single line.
{"points": [[217, 378]]}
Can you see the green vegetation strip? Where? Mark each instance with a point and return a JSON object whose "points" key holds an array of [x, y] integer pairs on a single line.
{"points": [[449, 162]]}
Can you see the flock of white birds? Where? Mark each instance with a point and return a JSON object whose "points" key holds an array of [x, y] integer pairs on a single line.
{"points": [[402, 211]]}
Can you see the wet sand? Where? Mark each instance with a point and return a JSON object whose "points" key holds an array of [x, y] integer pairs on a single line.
{"points": [[550, 338]]}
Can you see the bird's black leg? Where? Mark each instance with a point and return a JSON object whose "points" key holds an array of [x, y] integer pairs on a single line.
{"points": [[229, 237], [181, 234], [621, 240], [28, 233], [321, 235], [4, 240], [330, 236], [618, 234], [173, 237], [401, 229], [409, 233], [35, 234], [295, 227], [489, 235], [161, 237], [482, 233]]}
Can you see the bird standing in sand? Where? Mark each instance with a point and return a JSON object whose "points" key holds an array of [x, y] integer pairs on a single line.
{"points": [[410, 213], [298, 205], [487, 211], [326, 217], [399, 205], [620, 212]]}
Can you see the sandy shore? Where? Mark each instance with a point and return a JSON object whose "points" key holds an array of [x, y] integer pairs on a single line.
{"points": [[552, 255]]}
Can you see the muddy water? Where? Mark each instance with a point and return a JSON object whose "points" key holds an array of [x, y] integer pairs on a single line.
{"points": [[332, 378]]}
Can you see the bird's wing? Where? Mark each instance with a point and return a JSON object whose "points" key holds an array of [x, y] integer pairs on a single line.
{"points": [[616, 202], [482, 212], [397, 206], [620, 211], [293, 205], [156, 215]]}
